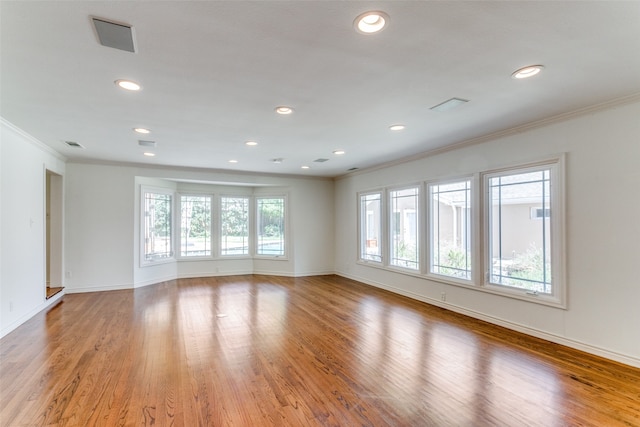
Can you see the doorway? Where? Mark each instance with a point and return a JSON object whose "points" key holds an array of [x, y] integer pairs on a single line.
{"points": [[53, 233]]}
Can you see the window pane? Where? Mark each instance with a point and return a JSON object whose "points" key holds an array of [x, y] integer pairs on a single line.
{"points": [[450, 226], [157, 226], [195, 226], [234, 226], [370, 227], [270, 226], [520, 243], [404, 228]]}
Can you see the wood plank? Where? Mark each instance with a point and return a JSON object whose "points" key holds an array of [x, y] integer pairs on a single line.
{"points": [[277, 351]]}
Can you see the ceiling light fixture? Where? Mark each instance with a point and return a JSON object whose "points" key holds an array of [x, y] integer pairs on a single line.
{"points": [[339, 152], [251, 143], [396, 127], [128, 85], [371, 22], [304, 167], [148, 154], [284, 110], [233, 161], [142, 130], [528, 71]]}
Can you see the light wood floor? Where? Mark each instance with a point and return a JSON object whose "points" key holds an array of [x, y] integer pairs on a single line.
{"points": [[273, 351]]}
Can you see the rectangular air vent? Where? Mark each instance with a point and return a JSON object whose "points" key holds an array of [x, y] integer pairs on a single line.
{"points": [[320, 160], [146, 143], [449, 104], [352, 169], [115, 35], [73, 144]]}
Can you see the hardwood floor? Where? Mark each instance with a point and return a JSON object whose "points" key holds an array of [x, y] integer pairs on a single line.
{"points": [[274, 351]]}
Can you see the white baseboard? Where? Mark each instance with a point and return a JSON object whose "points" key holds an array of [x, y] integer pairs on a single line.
{"points": [[103, 288], [209, 274], [578, 345], [22, 319]]}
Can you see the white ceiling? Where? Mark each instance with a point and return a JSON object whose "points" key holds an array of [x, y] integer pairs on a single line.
{"points": [[213, 71]]}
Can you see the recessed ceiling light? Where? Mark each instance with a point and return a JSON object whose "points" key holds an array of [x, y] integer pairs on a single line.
{"points": [[251, 143], [233, 161], [339, 152], [142, 130], [304, 167], [371, 22], [149, 154], [528, 71], [283, 109], [396, 127], [128, 85]]}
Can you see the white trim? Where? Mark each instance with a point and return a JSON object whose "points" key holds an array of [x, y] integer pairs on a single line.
{"points": [[556, 166], [212, 274], [47, 303], [144, 189], [629, 99], [32, 140], [102, 288], [575, 344], [178, 209]]}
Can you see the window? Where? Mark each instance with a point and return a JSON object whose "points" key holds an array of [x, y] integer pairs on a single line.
{"points": [[450, 229], [520, 250], [157, 226], [234, 213], [270, 226], [404, 228], [371, 227], [195, 226]]}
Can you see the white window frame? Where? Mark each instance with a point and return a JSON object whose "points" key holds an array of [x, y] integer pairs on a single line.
{"points": [[249, 252], [178, 232], [472, 233], [557, 297], [362, 235], [419, 225], [285, 239], [144, 262]]}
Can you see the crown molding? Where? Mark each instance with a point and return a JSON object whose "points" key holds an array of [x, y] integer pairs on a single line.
{"points": [[31, 139], [629, 99]]}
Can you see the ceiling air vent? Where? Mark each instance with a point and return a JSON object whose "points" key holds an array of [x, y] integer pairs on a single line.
{"points": [[352, 169], [73, 144], [115, 35], [449, 104], [146, 143], [320, 160]]}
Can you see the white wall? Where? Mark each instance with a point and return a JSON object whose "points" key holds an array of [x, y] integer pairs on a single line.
{"points": [[23, 164], [103, 235], [603, 231]]}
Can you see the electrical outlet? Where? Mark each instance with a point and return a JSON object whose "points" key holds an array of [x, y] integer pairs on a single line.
{"points": [[10, 305], [443, 296], [68, 274]]}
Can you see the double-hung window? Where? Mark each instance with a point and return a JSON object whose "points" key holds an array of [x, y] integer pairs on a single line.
{"points": [[234, 225], [195, 226], [450, 229], [156, 231], [524, 225], [404, 248], [371, 227], [270, 221]]}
